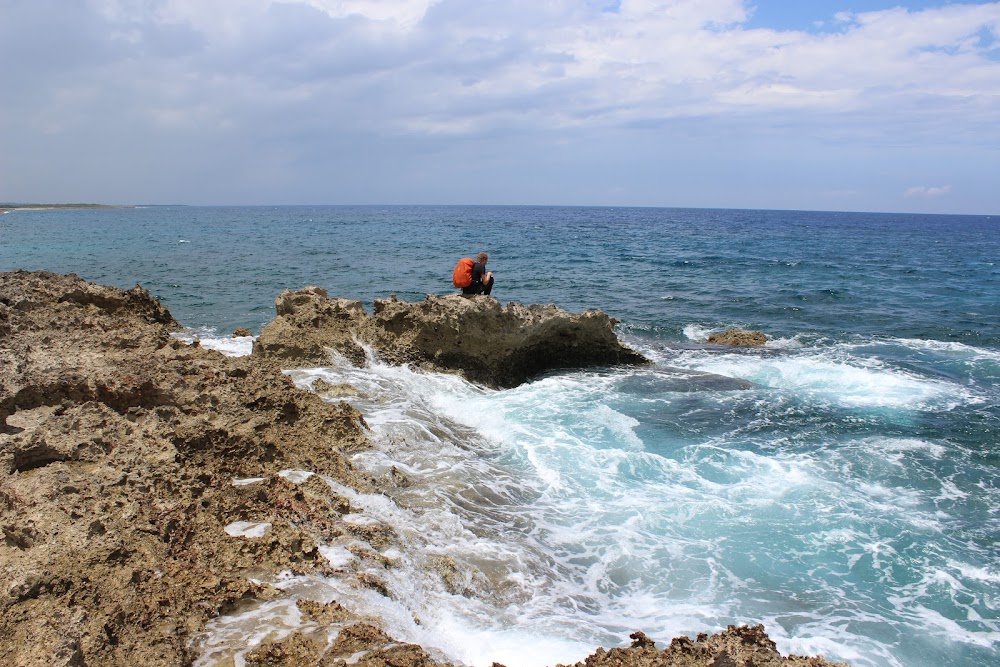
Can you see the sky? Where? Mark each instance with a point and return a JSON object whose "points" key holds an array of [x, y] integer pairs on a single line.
{"points": [[852, 105]]}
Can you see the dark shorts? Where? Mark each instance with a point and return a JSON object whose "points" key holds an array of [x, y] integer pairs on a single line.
{"points": [[479, 288]]}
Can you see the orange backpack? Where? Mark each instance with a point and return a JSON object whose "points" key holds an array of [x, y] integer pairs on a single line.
{"points": [[462, 277]]}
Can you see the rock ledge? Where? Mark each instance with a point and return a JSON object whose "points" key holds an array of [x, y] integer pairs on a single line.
{"points": [[739, 338], [477, 337]]}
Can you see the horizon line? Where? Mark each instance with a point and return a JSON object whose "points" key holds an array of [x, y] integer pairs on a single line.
{"points": [[53, 205]]}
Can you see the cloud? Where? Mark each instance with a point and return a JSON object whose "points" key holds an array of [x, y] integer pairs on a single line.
{"points": [[429, 63], [295, 82], [924, 192]]}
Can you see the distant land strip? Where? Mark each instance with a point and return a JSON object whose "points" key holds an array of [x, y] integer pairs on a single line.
{"points": [[6, 206]]}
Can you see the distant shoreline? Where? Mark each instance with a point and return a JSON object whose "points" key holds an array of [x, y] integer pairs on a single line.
{"points": [[7, 207], [13, 206]]}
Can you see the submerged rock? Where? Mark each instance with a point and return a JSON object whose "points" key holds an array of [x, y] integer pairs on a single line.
{"points": [[738, 338], [667, 379], [486, 342]]}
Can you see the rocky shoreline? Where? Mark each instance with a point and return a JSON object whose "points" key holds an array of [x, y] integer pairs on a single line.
{"points": [[148, 485]]}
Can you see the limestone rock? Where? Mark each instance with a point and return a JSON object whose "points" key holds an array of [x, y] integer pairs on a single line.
{"points": [[366, 645], [486, 342], [734, 647], [126, 453], [308, 326], [738, 338], [119, 449]]}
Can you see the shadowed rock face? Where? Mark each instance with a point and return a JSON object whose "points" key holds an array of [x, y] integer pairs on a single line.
{"points": [[486, 342]]}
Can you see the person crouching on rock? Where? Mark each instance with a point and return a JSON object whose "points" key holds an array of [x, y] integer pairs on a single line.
{"points": [[482, 280]]}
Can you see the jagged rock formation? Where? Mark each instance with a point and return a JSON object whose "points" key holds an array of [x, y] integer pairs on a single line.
{"points": [[147, 484], [737, 646], [738, 338], [308, 325], [119, 446], [488, 343]]}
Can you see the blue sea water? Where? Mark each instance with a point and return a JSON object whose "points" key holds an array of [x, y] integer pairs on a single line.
{"points": [[849, 499]]}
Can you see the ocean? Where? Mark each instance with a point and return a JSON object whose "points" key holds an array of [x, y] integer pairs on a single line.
{"points": [[840, 485]]}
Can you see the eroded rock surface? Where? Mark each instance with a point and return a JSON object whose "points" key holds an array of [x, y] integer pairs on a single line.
{"points": [[737, 646], [478, 337], [739, 338], [309, 325], [367, 646], [119, 447], [148, 485]]}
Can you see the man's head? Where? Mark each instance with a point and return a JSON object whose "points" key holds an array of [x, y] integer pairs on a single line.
{"points": [[482, 258]]}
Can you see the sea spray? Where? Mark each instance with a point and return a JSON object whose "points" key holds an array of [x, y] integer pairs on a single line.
{"points": [[583, 506], [596, 489]]}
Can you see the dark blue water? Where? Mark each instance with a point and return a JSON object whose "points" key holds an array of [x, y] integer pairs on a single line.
{"points": [[849, 500], [830, 274]]}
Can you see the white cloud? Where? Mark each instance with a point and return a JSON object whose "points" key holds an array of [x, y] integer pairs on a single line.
{"points": [[405, 13], [439, 62], [922, 191], [310, 74]]}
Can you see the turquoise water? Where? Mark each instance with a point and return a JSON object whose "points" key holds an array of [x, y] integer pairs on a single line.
{"points": [[849, 499]]}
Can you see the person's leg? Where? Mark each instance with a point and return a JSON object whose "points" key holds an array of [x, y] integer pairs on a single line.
{"points": [[488, 286]]}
